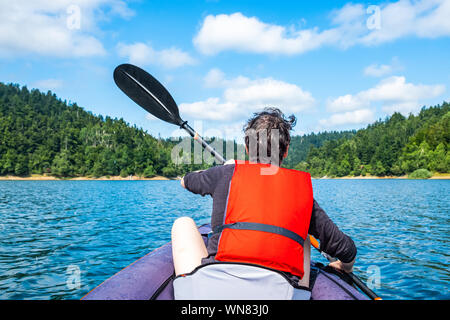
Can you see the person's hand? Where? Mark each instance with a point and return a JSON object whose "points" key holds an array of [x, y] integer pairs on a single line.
{"points": [[341, 266], [231, 161]]}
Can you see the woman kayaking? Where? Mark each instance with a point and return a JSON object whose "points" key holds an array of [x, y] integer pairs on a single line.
{"points": [[261, 218]]}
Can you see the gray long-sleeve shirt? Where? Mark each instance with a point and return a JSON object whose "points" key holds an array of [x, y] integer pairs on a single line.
{"points": [[215, 182]]}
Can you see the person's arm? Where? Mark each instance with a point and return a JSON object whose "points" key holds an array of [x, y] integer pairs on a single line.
{"points": [[332, 240], [202, 182], [182, 179]]}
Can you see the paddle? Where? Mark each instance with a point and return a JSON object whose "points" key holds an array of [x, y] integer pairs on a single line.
{"points": [[354, 278], [151, 95]]}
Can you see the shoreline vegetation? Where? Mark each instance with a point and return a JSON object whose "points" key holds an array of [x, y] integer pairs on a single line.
{"points": [[43, 177], [435, 176], [45, 138]]}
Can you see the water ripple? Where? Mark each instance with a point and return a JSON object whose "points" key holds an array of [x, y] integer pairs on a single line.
{"points": [[400, 226]]}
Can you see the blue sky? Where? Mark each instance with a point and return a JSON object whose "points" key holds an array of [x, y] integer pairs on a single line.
{"points": [[334, 64]]}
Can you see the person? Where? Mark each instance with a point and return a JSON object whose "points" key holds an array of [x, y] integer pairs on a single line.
{"points": [[259, 218]]}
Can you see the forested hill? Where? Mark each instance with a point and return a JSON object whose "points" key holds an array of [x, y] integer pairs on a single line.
{"points": [[300, 145], [40, 134], [395, 146]]}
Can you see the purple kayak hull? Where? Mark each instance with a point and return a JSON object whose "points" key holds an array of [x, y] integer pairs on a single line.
{"points": [[150, 277]]}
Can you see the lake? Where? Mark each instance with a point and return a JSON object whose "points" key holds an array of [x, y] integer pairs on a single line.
{"points": [[48, 229]]}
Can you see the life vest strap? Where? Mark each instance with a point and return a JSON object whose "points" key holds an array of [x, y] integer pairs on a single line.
{"points": [[261, 227]]}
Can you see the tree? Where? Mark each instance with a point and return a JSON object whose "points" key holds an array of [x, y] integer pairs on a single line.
{"points": [[9, 161], [124, 173], [302, 166], [61, 165], [439, 159], [420, 174], [356, 167], [169, 171], [343, 168], [416, 157], [379, 170], [98, 170], [21, 168], [149, 172]]}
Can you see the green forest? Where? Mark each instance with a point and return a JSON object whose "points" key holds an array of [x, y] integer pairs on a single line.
{"points": [[300, 145], [41, 134], [394, 146]]}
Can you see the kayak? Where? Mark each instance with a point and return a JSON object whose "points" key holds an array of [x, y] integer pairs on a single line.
{"points": [[151, 278]]}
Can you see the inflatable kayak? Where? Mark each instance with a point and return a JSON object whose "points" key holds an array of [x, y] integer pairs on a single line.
{"points": [[151, 277]]}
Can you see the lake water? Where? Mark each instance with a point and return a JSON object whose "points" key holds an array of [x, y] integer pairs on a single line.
{"points": [[48, 229]]}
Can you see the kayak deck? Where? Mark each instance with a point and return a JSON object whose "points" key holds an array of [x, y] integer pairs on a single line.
{"points": [[150, 278]]}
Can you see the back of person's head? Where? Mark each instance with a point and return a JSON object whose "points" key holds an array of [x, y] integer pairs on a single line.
{"points": [[267, 136]]}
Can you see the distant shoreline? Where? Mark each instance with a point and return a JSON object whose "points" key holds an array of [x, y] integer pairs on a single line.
{"points": [[40, 177], [435, 176]]}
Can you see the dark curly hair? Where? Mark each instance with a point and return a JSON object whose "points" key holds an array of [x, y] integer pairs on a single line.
{"points": [[263, 123]]}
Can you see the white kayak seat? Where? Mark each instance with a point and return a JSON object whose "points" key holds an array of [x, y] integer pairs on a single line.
{"points": [[235, 281]]}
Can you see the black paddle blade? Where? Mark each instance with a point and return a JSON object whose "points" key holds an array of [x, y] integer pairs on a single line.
{"points": [[147, 92]]}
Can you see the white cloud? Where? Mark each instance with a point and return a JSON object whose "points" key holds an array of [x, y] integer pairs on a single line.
{"points": [[346, 103], [47, 27], [348, 14], [48, 84], [137, 53], [242, 96], [350, 26], [377, 70], [249, 34], [397, 89], [215, 78], [120, 8], [362, 116], [143, 54], [174, 58], [211, 109], [268, 91], [424, 19], [394, 93]]}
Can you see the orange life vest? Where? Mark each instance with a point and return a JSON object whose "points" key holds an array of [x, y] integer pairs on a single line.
{"points": [[267, 217]]}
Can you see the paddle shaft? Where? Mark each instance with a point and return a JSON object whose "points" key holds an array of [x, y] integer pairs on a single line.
{"points": [[352, 276], [363, 287], [204, 144]]}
